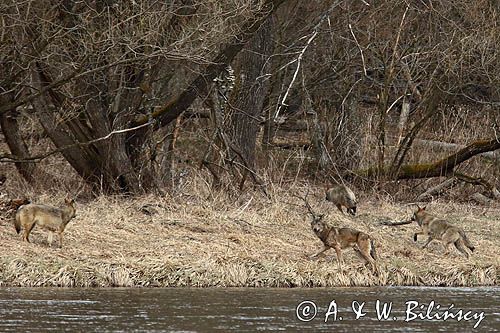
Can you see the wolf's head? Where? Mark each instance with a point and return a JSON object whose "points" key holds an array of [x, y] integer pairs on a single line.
{"points": [[419, 215], [317, 224], [70, 204]]}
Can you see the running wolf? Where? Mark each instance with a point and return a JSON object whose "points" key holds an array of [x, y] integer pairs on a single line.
{"points": [[48, 217], [442, 230], [341, 238], [341, 195]]}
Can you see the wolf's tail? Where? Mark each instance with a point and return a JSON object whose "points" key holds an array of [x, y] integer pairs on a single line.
{"points": [[467, 241]]}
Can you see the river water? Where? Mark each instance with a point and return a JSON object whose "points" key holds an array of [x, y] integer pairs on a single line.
{"points": [[248, 310]]}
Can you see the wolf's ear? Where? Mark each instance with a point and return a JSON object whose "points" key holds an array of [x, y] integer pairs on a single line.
{"points": [[424, 208]]}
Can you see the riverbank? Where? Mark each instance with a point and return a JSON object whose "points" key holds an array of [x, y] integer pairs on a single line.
{"points": [[255, 242]]}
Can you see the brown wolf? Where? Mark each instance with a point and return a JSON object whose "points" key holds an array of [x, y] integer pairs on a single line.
{"points": [[341, 195], [48, 217], [441, 230], [341, 238]]}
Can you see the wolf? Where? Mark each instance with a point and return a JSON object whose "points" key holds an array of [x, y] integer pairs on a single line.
{"points": [[48, 217], [442, 230], [341, 195], [341, 238]]}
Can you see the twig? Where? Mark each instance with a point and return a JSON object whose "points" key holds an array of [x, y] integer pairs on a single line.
{"points": [[301, 55], [299, 60], [360, 50]]}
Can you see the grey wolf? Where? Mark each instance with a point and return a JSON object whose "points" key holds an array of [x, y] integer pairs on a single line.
{"points": [[442, 230], [51, 218], [341, 195]]}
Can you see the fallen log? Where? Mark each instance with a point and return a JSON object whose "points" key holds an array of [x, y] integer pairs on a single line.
{"points": [[442, 168], [490, 155]]}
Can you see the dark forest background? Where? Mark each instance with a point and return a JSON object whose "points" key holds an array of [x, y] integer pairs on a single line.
{"points": [[132, 97]]}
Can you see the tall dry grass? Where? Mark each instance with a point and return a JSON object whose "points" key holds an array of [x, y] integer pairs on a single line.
{"points": [[204, 239]]}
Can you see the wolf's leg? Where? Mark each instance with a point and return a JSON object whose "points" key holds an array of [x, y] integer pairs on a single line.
{"points": [[60, 239], [447, 248], [27, 231], [320, 252], [375, 267], [359, 254], [50, 238], [26, 235], [340, 261], [365, 254], [459, 244], [427, 242], [339, 206]]}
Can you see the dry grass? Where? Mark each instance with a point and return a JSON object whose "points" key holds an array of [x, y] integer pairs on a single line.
{"points": [[250, 241]]}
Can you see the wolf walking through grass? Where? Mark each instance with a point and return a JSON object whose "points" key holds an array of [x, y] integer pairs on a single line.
{"points": [[51, 218], [341, 195]]}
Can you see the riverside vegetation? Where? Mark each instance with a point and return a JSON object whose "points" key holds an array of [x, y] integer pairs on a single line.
{"points": [[251, 241]]}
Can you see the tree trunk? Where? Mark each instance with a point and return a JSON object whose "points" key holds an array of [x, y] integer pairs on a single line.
{"points": [[317, 137], [403, 118], [59, 136], [17, 146], [165, 172], [106, 166], [251, 88]]}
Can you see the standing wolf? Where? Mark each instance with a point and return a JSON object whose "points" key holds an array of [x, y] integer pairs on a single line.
{"points": [[441, 230], [341, 195], [48, 217]]}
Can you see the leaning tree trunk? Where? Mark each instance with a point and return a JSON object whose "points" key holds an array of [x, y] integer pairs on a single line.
{"points": [[177, 105], [250, 90], [104, 165]]}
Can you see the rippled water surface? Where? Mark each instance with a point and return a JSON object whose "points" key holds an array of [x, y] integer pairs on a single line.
{"points": [[245, 309]]}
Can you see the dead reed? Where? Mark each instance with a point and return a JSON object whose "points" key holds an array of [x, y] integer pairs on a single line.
{"points": [[250, 241]]}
